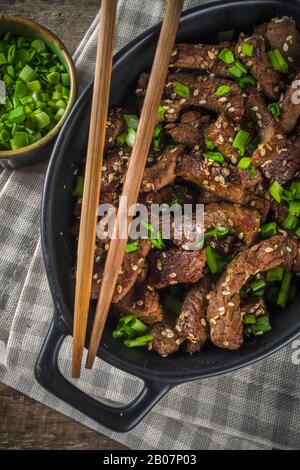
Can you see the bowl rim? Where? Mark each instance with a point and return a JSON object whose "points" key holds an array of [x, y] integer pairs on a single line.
{"points": [[58, 44]]}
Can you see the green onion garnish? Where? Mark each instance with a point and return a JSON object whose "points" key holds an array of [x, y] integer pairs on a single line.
{"points": [[211, 260], [238, 69], [276, 191], [223, 90], [217, 233], [290, 223], [131, 136], [248, 49], [277, 60], [122, 138], [161, 112], [78, 190], [240, 142], [275, 274], [129, 327], [294, 207], [297, 233], [173, 304], [269, 230], [209, 144], [284, 289], [131, 120], [131, 247], [295, 189], [226, 56], [181, 90], [245, 163], [249, 319], [138, 342], [224, 36], [157, 241], [215, 156], [274, 109], [246, 81], [262, 325], [257, 285]]}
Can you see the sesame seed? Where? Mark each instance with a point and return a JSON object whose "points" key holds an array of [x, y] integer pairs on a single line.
{"points": [[158, 265], [119, 288], [285, 47], [202, 102], [140, 302], [196, 92], [221, 309], [269, 249]]}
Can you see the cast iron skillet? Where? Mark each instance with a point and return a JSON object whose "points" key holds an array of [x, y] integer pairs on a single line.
{"points": [[159, 374]]}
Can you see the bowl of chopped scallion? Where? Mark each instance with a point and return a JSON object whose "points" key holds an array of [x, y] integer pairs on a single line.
{"points": [[38, 88]]}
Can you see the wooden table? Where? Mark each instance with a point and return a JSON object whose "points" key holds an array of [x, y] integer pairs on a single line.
{"points": [[25, 423]]}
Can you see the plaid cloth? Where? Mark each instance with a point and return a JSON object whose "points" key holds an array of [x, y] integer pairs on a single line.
{"points": [[255, 408]]}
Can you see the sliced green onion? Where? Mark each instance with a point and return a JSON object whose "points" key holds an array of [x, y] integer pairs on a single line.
{"points": [[275, 274], [19, 140], [173, 304], [226, 56], [217, 233], [158, 241], [131, 136], [269, 230], [131, 247], [27, 74], [38, 45], [295, 189], [41, 119], [246, 81], [17, 115], [161, 112], [276, 191], [122, 138], [277, 60], [223, 90], [78, 190], [211, 260], [209, 144], [131, 120], [240, 142], [294, 207], [284, 289], [21, 89], [274, 109], [129, 327], [257, 285], [181, 90], [215, 156], [224, 36], [53, 78], [249, 319], [138, 342], [245, 163], [290, 223], [238, 69], [262, 325], [248, 49], [297, 233]]}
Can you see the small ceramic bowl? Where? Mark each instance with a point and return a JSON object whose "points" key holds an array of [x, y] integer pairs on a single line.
{"points": [[41, 149]]}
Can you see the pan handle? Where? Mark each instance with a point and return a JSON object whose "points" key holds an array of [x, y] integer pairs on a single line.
{"points": [[117, 419]]}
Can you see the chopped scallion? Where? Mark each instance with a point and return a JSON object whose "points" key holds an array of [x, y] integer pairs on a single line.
{"points": [[223, 90], [181, 90], [240, 142], [276, 191], [284, 289], [215, 156], [274, 109], [211, 260], [277, 60], [226, 56], [269, 230]]}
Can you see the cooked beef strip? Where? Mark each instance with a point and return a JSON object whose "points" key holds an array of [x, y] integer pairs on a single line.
{"points": [[114, 168], [225, 181], [259, 66], [290, 110], [191, 324], [241, 221], [200, 57], [224, 313], [203, 94], [262, 205], [222, 133], [175, 266], [189, 131], [165, 340], [115, 126], [142, 301], [133, 265], [282, 34], [257, 112], [206, 197], [280, 211], [163, 172]]}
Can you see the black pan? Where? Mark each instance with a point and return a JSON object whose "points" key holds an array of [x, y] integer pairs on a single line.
{"points": [[159, 374]]}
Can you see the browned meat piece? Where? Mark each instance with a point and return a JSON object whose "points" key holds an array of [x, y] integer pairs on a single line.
{"points": [[191, 324], [175, 266], [257, 112], [290, 110], [163, 172], [224, 312], [260, 66], [189, 131], [253, 306], [222, 133], [132, 266], [280, 211], [165, 340], [142, 301], [200, 57], [283, 35], [296, 265], [202, 92], [115, 126], [262, 205], [206, 197], [114, 168], [241, 221], [226, 181]]}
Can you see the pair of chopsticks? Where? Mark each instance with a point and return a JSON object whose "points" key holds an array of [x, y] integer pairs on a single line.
{"points": [[131, 188]]}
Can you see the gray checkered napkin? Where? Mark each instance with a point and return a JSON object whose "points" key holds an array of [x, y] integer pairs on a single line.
{"points": [[255, 408]]}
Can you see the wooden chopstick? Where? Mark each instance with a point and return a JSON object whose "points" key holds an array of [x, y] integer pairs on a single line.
{"points": [[136, 168], [93, 173]]}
